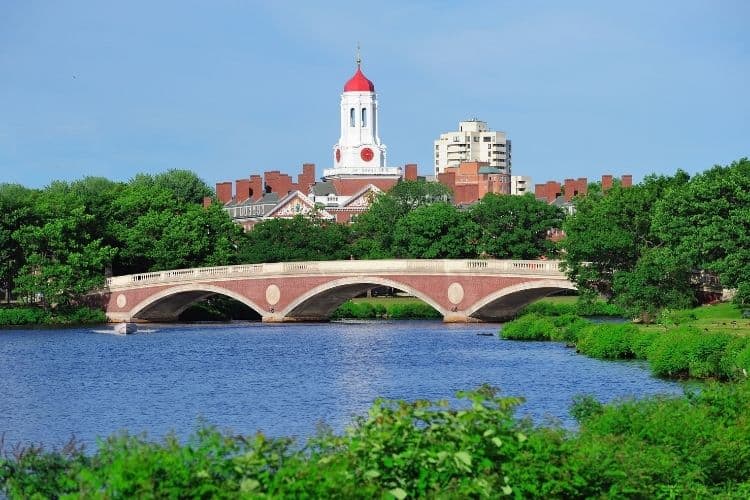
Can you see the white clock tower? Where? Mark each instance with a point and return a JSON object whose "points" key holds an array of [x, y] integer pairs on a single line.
{"points": [[359, 150]]}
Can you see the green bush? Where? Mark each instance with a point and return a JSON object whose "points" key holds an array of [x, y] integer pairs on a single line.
{"points": [[568, 327], [412, 311], [29, 315], [368, 310], [529, 327], [10, 316], [608, 341], [580, 308], [689, 352]]}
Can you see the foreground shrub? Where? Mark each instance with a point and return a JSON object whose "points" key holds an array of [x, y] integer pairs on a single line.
{"points": [[694, 446]]}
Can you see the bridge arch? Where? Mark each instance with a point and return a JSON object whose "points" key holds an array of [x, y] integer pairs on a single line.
{"points": [[505, 303], [168, 304], [321, 301]]}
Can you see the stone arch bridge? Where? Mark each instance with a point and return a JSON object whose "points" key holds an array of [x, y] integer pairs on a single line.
{"points": [[460, 290]]}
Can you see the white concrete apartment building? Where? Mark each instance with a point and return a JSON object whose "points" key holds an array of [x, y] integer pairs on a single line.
{"points": [[472, 142], [520, 184]]}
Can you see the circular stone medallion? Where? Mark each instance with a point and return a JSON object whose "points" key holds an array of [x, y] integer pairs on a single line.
{"points": [[122, 301], [455, 293], [273, 294]]}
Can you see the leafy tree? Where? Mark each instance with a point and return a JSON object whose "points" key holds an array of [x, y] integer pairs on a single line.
{"points": [[410, 195], [16, 211], [192, 237], [659, 280], [295, 239], [608, 233], [515, 227], [152, 213], [63, 261], [373, 231], [708, 222], [184, 185], [435, 231]]}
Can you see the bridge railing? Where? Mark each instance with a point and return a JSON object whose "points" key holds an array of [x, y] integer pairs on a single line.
{"points": [[546, 268]]}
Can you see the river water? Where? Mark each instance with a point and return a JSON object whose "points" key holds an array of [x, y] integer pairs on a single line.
{"points": [[281, 379]]}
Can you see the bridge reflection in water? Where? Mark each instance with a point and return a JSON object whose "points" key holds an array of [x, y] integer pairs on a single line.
{"points": [[460, 290]]}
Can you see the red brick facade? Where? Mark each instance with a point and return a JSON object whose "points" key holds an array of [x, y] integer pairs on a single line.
{"points": [[470, 181]]}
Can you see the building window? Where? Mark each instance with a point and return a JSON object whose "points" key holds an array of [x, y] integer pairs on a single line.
{"points": [[364, 117], [487, 138], [476, 139], [351, 117]]}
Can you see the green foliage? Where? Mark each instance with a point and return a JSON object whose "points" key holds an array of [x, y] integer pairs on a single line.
{"points": [[394, 310], [17, 316], [529, 327], [295, 239], [693, 446], [708, 222], [515, 227], [608, 341], [359, 310], [435, 231], [373, 231], [412, 311], [659, 280], [689, 352], [580, 308], [609, 232]]}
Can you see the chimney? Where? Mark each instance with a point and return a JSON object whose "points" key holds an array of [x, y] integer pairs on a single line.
{"points": [[410, 172], [256, 187], [626, 181], [570, 189], [606, 183], [583, 186], [242, 190], [224, 192]]}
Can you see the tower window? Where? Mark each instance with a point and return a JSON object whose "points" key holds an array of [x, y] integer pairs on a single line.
{"points": [[364, 117], [351, 117]]}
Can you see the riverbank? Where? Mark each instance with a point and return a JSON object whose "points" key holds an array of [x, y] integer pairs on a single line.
{"points": [[692, 446], [15, 316], [710, 342]]}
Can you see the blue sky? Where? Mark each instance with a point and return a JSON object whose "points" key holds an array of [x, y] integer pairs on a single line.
{"points": [[229, 88]]}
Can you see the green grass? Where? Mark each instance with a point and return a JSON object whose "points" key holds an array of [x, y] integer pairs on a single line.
{"points": [[724, 317], [388, 301]]}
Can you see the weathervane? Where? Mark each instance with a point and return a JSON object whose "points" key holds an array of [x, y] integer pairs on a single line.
{"points": [[359, 58]]}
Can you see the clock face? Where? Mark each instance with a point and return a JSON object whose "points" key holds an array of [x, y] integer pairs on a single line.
{"points": [[366, 154], [338, 155]]}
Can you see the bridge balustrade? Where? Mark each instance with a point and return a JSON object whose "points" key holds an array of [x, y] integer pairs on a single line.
{"points": [[437, 266]]}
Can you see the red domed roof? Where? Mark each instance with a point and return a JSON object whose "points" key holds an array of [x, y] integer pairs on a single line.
{"points": [[359, 83]]}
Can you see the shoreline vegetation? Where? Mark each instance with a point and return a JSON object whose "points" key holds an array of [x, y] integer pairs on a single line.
{"points": [[692, 446], [29, 316], [709, 342]]}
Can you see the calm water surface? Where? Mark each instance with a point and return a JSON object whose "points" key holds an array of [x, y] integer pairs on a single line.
{"points": [[282, 379]]}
